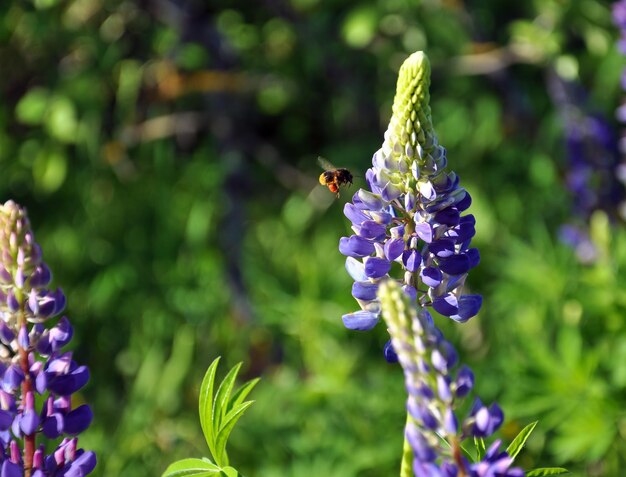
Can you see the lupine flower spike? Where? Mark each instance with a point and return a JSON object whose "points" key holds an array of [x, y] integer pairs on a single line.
{"points": [[436, 387], [411, 215], [38, 378]]}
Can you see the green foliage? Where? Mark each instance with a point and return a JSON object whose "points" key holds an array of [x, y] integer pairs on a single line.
{"points": [[219, 412], [518, 443], [167, 159], [546, 471], [198, 468]]}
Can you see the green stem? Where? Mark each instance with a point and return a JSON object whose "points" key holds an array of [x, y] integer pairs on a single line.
{"points": [[406, 468]]}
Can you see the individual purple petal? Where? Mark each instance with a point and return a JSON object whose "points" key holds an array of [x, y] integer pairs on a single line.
{"points": [[426, 190], [442, 248], [424, 231], [393, 248], [360, 320], [78, 420], [411, 260], [6, 419], [474, 257], [12, 378], [464, 381], [431, 276], [22, 338], [12, 302], [355, 215], [10, 469], [390, 353], [449, 216], [356, 269], [40, 277], [29, 421], [372, 230], [369, 200], [61, 334], [469, 306], [381, 217], [355, 246], [365, 291], [450, 422], [390, 192], [464, 203], [447, 305], [5, 276], [376, 267], [6, 334], [411, 292], [68, 383], [409, 201], [83, 465], [421, 413], [52, 425], [455, 264], [488, 420]]}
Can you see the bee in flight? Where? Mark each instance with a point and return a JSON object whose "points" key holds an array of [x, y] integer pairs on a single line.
{"points": [[333, 177]]}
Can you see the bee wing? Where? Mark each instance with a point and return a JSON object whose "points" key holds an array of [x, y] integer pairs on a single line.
{"points": [[327, 166]]}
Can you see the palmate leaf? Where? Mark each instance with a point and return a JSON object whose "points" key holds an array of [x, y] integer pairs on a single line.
{"points": [[518, 443], [205, 407], [198, 468], [229, 423], [241, 394], [547, 471], [219, 412], [222, 397]]}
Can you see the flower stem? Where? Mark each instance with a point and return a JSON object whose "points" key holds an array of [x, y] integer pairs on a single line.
{"points": [[406, 467], [27, 387]]}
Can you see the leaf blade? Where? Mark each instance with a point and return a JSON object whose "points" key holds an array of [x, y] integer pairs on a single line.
{"points": [[518, 443], [227, 427], [543, 471], [192, 468], [241, 394], [205, 401]]}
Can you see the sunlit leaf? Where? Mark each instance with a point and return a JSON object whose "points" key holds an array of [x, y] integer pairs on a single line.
{"points": [[547, 471], [192, 467], [518, 443], [205, 404]]}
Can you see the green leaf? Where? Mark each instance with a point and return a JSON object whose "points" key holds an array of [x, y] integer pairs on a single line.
{"points": [[31, 108], [205, 404], [224, 432], [480, 448], [231, 472], [221, 399], [518, 443], [192, 467], [241, 394], [547, 471]]}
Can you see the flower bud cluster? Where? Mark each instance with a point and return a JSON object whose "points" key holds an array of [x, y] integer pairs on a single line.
{"points": [[38, 378], [436, 387], [408, 224]]}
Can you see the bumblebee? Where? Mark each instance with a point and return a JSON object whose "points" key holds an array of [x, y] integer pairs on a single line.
{"points": [[333, 177]]}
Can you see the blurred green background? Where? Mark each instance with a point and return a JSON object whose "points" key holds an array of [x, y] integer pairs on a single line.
{"points": [[166, 152]]}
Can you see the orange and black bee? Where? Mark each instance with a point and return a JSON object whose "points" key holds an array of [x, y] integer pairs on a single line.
{"points": [[333, 177]]}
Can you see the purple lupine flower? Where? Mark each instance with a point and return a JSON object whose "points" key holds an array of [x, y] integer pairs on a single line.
{"points": [[592, 174], [437, 386], [411, 215], [32, 361], [619, 19]]}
